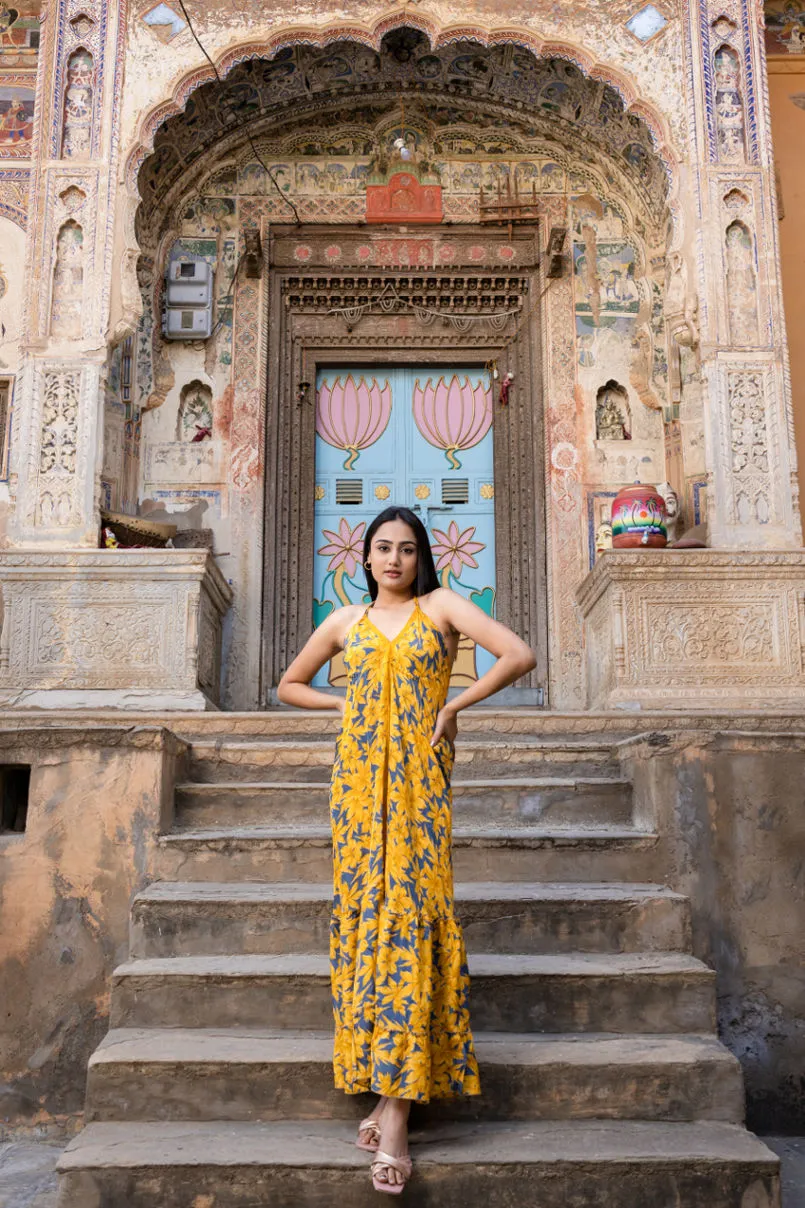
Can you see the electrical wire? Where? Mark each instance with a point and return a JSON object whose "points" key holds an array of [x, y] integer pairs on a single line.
{"points": [[229, 295], [242, 125]]}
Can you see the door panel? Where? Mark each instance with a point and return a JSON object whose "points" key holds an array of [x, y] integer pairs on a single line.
{"points": [[418, 437]]}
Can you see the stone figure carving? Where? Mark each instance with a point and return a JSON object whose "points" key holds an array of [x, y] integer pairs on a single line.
{"points": [[672, 509], [612, 413], [741, 284], [729, 106], [78, 104], [67, 298]]}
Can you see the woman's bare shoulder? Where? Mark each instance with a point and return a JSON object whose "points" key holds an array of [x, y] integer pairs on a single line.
{"points": [[437, 604], [342, 620]]}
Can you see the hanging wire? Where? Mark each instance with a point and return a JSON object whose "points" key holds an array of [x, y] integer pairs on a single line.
{"points": [[246, 131], [228, 297]]}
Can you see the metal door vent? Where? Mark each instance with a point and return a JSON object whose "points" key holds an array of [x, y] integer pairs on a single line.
{"points": [[349, 490], [455, 490]]}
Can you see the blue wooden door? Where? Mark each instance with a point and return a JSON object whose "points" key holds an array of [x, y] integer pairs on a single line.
{"points": [[416, 437]]}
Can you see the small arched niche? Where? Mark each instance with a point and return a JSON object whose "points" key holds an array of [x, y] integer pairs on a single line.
{"points": [[67, 297], [194, 420], [613, 416]]}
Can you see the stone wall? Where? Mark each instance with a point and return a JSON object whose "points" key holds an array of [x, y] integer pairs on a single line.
{"points": [[99, 796], [731, 806]]}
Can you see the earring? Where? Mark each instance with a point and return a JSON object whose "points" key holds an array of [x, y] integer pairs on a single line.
{"points": [[367, 564]]}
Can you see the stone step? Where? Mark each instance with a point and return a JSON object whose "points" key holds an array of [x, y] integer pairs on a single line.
{"points": [[205, 918], [238, 1074], [574, 992], [547, 800], [523, 853], [304, 758], [296, 1164]]}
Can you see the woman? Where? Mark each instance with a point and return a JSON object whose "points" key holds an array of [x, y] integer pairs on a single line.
{"points": [[399, 970]]}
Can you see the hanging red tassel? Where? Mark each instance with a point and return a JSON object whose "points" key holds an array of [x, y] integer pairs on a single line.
{"points": [[505, 387]]}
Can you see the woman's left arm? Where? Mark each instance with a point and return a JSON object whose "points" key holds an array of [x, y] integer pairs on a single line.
{"points": [[514, 657]]}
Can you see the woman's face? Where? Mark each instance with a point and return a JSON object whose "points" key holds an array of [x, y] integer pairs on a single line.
{"points": [[393, 555]]}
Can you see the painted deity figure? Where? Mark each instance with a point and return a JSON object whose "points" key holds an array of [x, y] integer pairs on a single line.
{"points": [[78, 100], [729, 105], [741, 285], [13, 123]]}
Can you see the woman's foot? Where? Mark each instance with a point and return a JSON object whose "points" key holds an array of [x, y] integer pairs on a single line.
{"points": [[393, 1139], [368, 1136]]}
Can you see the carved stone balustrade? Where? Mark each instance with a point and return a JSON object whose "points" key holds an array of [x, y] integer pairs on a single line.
{"points": [[695, 629], [134, 629]]}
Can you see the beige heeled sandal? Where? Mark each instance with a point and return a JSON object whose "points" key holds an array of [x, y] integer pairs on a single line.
{"points": [[384, 1161], [371, 1126]]}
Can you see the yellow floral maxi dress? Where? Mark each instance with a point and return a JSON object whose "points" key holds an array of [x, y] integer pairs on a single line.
{"points": [[399, 969]]}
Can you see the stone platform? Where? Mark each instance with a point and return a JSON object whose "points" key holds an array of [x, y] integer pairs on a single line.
{"points": [[126, 629], [720, 629]]}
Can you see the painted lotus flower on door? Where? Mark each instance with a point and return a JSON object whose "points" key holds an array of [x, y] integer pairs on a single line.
{"points": [[352, 415], [453, 415]]}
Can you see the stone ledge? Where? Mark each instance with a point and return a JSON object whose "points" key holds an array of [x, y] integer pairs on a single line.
{"points": [[666, 629], [133, 629], [61, 737]]}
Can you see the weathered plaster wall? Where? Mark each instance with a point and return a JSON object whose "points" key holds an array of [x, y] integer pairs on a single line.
{"points": [[730, 810], [787, 98], [98, 798]]}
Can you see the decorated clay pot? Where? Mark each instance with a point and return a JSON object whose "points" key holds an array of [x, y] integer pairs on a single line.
{"points": [[638, 518]]}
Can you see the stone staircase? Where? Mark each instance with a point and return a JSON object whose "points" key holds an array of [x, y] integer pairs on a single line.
{"points": [[604, 1083]]}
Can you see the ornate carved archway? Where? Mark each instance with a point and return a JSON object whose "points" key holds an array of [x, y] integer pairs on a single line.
{"points": [[468, 102]]}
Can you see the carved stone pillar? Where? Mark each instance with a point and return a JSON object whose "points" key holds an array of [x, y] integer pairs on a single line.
{"points": [[56, 451], [751, 463]]}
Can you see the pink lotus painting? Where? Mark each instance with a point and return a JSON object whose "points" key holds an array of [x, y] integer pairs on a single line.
{"points": [[452, 415], [353, 415]]}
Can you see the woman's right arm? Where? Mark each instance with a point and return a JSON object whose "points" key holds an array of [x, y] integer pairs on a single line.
{"points": [[325, 642]]}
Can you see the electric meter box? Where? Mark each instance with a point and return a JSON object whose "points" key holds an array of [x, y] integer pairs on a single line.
{"points": [[187, 323], [189, 283], [188, 300]]}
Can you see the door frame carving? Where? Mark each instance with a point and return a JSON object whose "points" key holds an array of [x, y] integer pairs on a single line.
{"points": [[324, 288]]}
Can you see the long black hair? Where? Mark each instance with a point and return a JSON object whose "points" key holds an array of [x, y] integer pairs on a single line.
{"points": [[426, 578]]}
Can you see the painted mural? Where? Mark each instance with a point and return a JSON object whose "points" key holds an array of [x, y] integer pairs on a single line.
{"points": [[621, 354], [19, 34], [785, 27], [16, 122], [19, 49]]}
